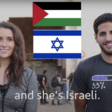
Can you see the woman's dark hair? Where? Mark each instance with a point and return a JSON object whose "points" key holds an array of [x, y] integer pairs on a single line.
{"points": [[16, 67], [56, 74], [106, 17]]}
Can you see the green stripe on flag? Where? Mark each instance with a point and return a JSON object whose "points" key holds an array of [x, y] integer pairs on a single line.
{"points": [[59, 22]]}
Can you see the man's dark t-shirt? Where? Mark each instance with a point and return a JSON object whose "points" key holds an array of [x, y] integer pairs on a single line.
{"points": [[43, 77], [95, 75]]}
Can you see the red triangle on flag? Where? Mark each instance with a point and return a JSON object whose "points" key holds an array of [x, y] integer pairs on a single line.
{"points": [[38, 13]]}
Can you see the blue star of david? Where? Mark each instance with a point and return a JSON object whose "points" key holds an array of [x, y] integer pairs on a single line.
{"points": [[60, 42]]}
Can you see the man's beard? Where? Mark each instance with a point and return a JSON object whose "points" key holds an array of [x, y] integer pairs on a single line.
{"points": [[106, 52]]}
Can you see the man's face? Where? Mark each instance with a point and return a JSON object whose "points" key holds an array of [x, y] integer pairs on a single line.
{"points": [[104, 37]]}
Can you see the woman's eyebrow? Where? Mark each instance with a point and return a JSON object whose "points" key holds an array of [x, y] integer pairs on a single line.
{"points": [[9, 37]]}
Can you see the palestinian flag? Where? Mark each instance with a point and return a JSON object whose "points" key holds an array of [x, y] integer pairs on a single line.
{"points": [[56, 13]]}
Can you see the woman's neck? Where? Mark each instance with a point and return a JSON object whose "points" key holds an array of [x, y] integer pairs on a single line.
{"points": [[4, 63]]}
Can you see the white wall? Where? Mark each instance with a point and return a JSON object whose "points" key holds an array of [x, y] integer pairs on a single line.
{"points": [[18, 8], [90, 11]]}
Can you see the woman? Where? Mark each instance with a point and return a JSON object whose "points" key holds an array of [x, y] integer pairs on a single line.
{"points": [[15, 79], [57, 89]]}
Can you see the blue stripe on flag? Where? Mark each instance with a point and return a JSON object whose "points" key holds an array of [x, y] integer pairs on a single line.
{"points": [[56, 55], [56, 32]]}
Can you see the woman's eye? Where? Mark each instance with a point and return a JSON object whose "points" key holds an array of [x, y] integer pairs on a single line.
{"points": [[9, 39]]}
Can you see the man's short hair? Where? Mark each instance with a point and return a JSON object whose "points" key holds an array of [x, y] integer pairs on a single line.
{"points": [[44, 71], [106, 17]]}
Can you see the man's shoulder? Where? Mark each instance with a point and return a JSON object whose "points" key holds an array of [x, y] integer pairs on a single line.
{"points": [[43, 75], [70, 74], [90, 59], [89, 62]]}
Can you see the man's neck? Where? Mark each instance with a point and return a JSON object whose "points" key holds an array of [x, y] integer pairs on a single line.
{"points": [[107, 58]]}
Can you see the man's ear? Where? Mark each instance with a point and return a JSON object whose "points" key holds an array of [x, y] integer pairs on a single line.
{"points": [[95, 35]]}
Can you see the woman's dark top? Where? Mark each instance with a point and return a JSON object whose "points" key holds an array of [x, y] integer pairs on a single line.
{"points": [[11, 98], [3, 88]]}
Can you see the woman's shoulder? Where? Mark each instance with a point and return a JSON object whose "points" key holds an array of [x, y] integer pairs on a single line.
{"points": [[58, 77], [29, 79], [28, 73], [26, 69]]}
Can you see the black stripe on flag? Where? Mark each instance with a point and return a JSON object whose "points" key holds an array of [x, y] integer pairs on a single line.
{"points": [[59, 5]]}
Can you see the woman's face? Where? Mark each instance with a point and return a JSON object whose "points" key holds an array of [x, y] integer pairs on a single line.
{"points": [[7, 43], [58, 73]]}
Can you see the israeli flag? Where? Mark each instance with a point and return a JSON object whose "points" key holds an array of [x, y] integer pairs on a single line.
{"points": [[56, 44]]}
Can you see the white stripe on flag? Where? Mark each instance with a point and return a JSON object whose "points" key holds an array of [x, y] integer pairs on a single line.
{"points": [[43, 44], [63, 13]]}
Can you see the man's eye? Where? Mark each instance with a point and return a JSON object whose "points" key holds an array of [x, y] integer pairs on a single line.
{"points": [[101, 34]]}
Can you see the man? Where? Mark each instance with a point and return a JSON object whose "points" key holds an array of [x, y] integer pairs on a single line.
{"points": [[43, 88], [70, 78], [94, 75]]}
